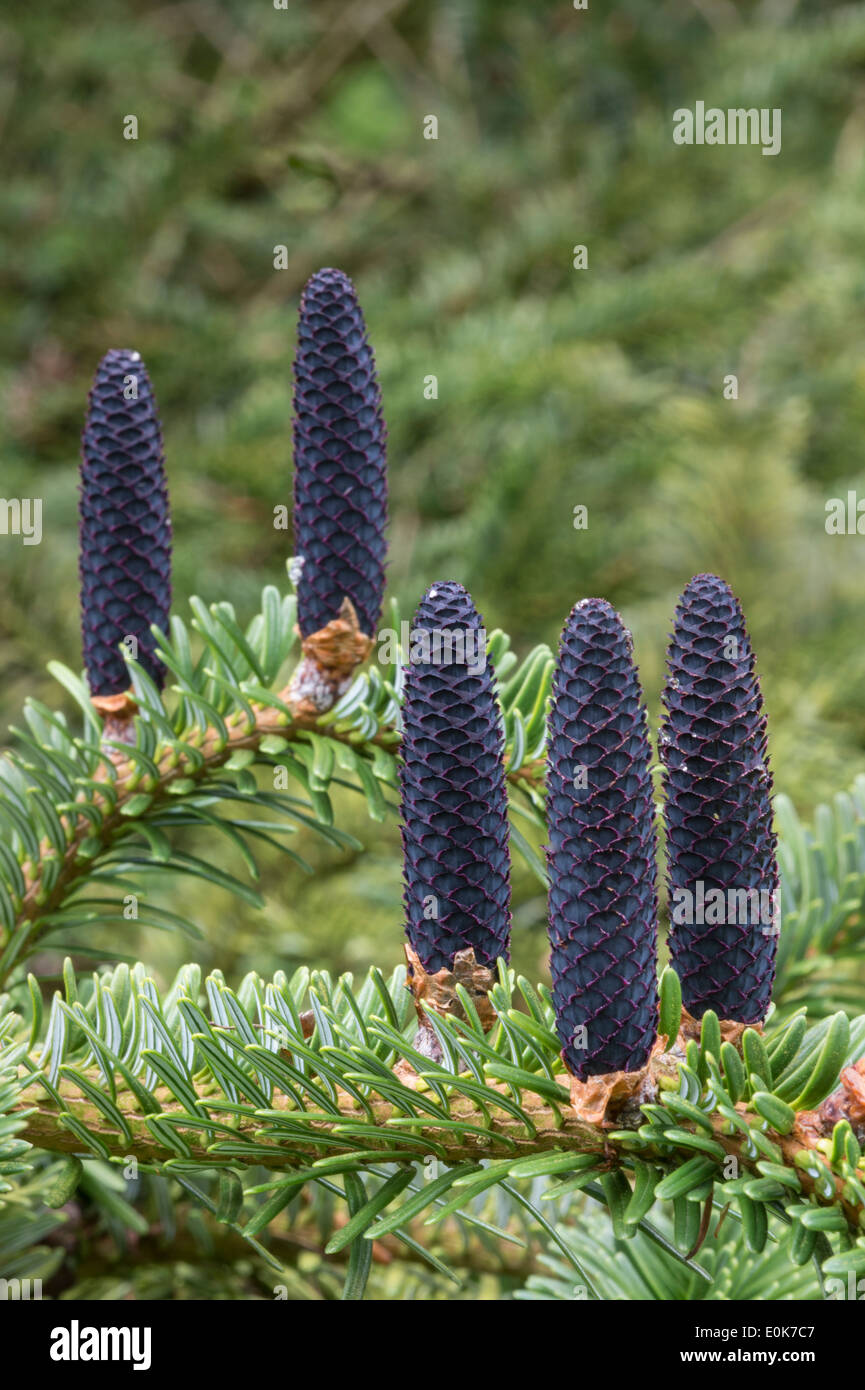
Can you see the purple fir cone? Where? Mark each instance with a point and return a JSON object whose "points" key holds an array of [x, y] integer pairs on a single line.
{"points": [[340, 477], [454, 797], [601, 854], [125, 525], [718, 811]]}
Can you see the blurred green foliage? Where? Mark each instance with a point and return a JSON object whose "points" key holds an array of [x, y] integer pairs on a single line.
{"points": [[303, 127]]}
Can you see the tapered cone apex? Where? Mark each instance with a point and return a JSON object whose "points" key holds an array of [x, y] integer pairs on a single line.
{"points": [[718, 810], [125, 525], [340, 478], [453, 791], [601, 851]]}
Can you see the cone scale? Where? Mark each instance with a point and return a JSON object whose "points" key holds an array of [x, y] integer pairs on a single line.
{"points": [[721, 864], [601, 851], [125, 526]]}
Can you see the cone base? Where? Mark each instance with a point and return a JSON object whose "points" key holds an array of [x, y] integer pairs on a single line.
{"points": [[847, 1103], [438, 993], [117, 713], [690, 1030], [612, 1099], [330, 658]]}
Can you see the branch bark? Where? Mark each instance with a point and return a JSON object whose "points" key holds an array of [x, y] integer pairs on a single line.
{"points": [[496, 1135]]}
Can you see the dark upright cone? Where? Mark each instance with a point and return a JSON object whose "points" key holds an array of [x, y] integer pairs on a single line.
{"points": [[453, 792], [601, 852], [125, 526], [340, 478], [718, 810]]}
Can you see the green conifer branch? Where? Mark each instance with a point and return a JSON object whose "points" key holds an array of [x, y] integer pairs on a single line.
{"points": [[69, 802], [256, 1084]]}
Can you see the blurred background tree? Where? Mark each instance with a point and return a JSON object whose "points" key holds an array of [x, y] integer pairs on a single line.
{"points": [[557, 387]]}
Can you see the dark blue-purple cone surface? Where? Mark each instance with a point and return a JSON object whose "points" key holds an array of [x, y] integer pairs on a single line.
{"points": [[125, 526], [601, 851], [453, 792], [340, 478], [718, 809]]}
